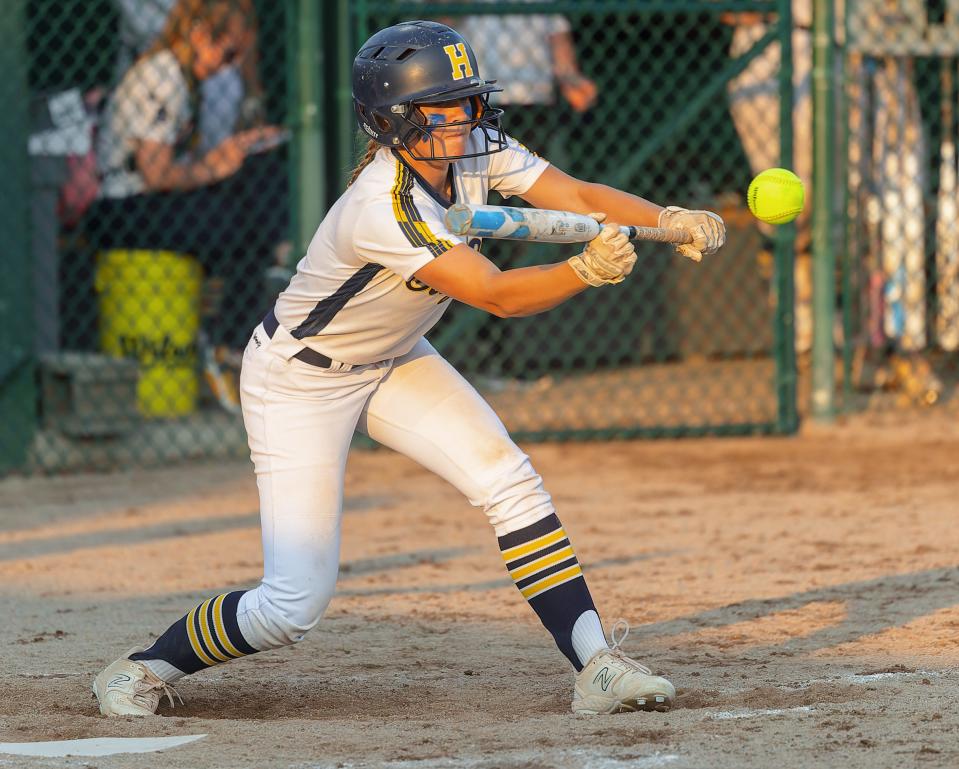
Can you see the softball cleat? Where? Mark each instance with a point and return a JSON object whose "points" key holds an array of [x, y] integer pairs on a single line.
{"points": [[128, 688], [611, 682]]}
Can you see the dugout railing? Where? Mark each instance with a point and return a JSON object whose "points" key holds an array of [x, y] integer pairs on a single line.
{"points": [[123, 314]]}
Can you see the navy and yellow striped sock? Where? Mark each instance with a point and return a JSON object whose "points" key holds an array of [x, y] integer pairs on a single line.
{"points": [[543, 565], [205, 637]]}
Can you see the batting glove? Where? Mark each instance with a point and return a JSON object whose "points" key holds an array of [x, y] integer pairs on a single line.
{"points": [[607, 258], [706, 228]]}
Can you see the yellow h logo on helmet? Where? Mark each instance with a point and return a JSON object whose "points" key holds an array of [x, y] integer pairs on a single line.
{"points": [[459, 60]]}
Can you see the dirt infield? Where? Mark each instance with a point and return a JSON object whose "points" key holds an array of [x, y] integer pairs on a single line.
{"points": [[802, 593]]}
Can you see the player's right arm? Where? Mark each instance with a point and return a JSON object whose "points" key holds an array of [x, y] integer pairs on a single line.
{"points": [[469, 277]]}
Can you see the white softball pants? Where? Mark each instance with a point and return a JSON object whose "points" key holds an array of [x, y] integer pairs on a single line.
{"points": [[300, 420]]}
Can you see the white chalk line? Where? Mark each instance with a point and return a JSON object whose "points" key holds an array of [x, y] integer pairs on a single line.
{"points": [[848, 678], [864, 678], [583, 758], [749, 713]]}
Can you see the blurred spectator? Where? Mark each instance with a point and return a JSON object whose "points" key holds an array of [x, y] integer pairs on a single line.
{"points": [[230, 99], [159, 190], [889, 159], [531, 55], [889, 165], [148, 137], [884, 107], [754, 104]]}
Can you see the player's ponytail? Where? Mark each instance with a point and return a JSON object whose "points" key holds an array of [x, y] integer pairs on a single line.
{"points": [[371, 149]]}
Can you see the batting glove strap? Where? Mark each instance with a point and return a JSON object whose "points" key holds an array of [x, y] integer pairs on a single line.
{"points": [[587, 275], [707, 229], [607, 258]]}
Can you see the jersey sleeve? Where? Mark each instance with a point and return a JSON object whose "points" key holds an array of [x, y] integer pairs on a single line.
{"points": [[152, 105], [403, 237], [515, 169]]}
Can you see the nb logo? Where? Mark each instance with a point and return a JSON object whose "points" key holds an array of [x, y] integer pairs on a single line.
{"points": [[120, 678], [257, 342], [604, 677], [459, 61]]}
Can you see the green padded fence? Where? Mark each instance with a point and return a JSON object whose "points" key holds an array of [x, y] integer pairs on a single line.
{"points": [[149, 229], [899, 276]]}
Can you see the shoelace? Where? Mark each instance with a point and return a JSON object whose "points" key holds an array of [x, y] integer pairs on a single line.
{"points": [[145, 686], [617, 651]]}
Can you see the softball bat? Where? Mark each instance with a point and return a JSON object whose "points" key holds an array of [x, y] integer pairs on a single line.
{"points": [[507, 223]]}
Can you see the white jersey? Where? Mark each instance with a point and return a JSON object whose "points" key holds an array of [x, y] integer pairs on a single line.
{"points": [[354, 297]]}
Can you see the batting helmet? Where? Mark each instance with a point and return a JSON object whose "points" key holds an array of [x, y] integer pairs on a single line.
{"points": [[420, 62]]}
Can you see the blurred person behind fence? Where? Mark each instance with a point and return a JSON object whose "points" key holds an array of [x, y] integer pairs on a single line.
{"points": [[754, 106], [891, 173], [159, 188], [230, 99], [532, 56], [890, 156], [889, 182]]}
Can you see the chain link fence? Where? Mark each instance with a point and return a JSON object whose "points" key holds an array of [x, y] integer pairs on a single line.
{"points": [[900, 275], [635, 95], [160, 190], [156, 196]]}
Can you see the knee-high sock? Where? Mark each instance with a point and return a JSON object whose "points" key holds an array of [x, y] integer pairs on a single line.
{"points": [[205, 637], [543, 565]]}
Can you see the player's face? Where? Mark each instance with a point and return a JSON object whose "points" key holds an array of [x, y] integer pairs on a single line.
{"points": [[447, 139]]}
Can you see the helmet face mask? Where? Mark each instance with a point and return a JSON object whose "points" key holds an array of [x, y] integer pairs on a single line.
{"points": [[413, 65], [480, 116]]}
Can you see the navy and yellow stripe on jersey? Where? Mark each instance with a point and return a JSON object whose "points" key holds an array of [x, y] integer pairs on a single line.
{"points": [[543, 560], [205, 637], [408, 217], [325, 310]]}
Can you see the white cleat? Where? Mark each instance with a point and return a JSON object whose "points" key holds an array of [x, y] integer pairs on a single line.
{"points": [[128, 688], [611, 682]]}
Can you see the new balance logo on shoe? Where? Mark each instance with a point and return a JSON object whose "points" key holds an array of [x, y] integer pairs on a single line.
{"points": [[611, 682], [129, 688], [604, 678], [118, 680]]}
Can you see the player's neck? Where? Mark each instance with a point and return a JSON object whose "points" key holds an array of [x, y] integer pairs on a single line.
{"points": [[434, 172]]}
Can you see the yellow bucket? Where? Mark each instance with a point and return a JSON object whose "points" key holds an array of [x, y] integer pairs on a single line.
{"points": [[150, 311]]}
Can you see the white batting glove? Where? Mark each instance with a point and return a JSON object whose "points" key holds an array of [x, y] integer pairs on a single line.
{"points": [[607, 258], [706, 228]]}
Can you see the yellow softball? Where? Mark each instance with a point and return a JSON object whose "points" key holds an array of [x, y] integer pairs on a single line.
{"points": [[776, 196]]}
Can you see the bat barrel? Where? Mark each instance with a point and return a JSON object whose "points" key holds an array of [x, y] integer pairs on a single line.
{"points": [[508, 223]]}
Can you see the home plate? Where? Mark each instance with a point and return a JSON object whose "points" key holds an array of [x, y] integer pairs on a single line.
{"points": [[98, 746]]}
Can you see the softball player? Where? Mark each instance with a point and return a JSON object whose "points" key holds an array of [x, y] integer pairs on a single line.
{"points": [[343, 350]]}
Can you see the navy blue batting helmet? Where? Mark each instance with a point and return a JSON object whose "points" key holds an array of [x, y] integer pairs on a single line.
{"points": [[420, 62]]}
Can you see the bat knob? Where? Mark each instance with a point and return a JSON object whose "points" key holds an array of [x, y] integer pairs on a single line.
{"points": [[458, 218]]}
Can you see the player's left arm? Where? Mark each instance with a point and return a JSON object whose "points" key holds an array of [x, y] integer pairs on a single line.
{"points": [[557, 190]]}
